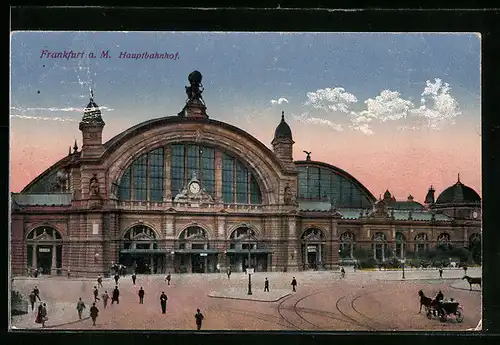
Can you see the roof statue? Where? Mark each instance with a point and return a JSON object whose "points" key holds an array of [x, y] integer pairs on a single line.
{"points": [[308, 155], [195, 105]]}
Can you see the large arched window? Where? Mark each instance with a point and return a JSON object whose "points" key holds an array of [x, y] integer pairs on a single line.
{"points": [[400, 245], [347, 245], [144, 180], [379, 246], [243, 238], [421, 243], [317, 183], [443, 241]]}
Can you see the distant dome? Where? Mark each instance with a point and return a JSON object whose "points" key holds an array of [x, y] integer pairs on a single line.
{"points": [[283, 130], [458, 193]]}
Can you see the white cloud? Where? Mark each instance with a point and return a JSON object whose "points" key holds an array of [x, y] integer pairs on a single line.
{"points": [[42, 118], [69, 109], [336, 99], [388, 106], [305, 118], [280, 101], [437, 108], [444, 108]]}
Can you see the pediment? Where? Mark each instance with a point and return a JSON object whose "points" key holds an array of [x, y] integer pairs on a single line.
{"points": [[143, 237], [312, 238], [197, 237], [44, 237], [246, 237], [171, 210]]}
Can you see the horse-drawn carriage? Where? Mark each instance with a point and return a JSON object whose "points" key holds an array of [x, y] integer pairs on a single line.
{"points": [[441, 308], [445, 308]]}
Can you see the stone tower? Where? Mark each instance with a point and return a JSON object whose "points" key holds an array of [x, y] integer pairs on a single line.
{"points": [[91, 127], [283, 143]]}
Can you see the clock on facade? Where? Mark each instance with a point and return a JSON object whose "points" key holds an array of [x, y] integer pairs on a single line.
{"points": [[474, 214], [194, 187]]}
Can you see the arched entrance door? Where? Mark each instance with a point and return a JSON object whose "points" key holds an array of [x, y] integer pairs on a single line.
{"points": [[313, 248], [245, 250], [140, 250], [44, 248], [193, 253], [380, 246]]}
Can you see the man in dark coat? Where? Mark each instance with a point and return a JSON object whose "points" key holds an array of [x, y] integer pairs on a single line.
{"points": [[116, 296], [117, 276], [199, 319], [32, 298], [134, 278], [79, 307], [99, 281], [37, 292], [141, 296], [168, 278], [229, 273], [163, 302], [266, 285], [440, 272], [94, 312], [96, 294], [294, 284]]}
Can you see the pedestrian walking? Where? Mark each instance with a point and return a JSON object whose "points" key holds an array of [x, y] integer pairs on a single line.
{"points": [[94, 312], [32, 298], [440, 272], [99, 281], [36, 273], [168, 278], [141, 296], [163, 302], [105, 298], [229, 273], [39, 317], [79, 307], [134, 277], [96, 294], [37, 293], [69, 273], [342, 272], [116, 296], [199, 319], [266, 285], [117, 276], [294, 284], [465, 269]]}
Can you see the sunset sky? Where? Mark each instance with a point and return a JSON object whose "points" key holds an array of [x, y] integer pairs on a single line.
{"points": [[396, 111]]}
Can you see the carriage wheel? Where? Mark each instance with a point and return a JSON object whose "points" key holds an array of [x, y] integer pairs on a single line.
{"points": [[442, 315], [459, 315]]}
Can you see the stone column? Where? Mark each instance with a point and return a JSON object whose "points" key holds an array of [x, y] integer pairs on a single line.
{"points": [[306, 256], [34, 256], [320, 258], [152, 263], [205, 258], [53, 267], [292, 244], [167, 163]]}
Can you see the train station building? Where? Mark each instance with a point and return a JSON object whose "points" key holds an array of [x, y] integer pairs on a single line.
{"points": [[187, 193]]}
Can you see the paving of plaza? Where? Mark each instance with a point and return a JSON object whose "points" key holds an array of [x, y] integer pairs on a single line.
{"points": [[363, 300]]}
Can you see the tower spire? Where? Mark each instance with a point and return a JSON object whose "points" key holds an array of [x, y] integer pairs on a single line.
{"points": [[458, 178], [75, 147], [282, 116]]}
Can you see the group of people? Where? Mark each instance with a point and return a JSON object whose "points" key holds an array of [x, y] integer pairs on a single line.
{"points": [[41, 315]]}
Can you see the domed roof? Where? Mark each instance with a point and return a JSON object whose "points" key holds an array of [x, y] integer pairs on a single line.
{"points": [[92, 113], [458, 193], [283, 130]]}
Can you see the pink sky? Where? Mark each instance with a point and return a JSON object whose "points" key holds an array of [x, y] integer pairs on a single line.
{"points": [[402, 161]]}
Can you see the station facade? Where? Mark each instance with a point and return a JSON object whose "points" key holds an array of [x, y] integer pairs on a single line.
{"points": [[187, 193]]}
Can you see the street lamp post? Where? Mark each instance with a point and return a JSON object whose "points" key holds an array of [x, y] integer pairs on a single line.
{"points": [[249, 271], [403, 264]]}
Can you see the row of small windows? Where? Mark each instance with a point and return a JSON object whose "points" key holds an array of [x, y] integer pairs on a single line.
{"points": [[144, 180], [323, 184]]}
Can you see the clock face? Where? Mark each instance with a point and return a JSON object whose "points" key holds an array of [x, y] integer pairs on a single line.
{"points": [[474, 214], [194, 187]]}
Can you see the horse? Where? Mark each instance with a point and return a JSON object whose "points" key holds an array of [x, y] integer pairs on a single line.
{"points": [[424, 301], [472, 281]]}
